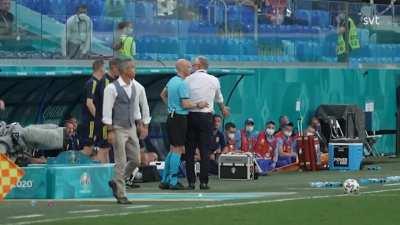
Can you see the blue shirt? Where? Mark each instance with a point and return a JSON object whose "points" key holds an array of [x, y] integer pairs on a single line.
{"points": [[217, 141], [177, 89]]}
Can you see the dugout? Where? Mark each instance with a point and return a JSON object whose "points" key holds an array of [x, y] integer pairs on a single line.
{"points": [[39, 94], [50, 94]]}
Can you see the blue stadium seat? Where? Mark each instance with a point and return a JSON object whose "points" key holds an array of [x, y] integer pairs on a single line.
{"points": [[101, 24], [363, 34], [320, 18], [144, 9], [303, 15]]}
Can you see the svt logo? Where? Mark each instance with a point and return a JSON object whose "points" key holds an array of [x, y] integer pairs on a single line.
{"points": [[366, 20]]}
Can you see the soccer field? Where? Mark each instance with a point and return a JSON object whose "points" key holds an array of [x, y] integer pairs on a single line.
{"points": [[279, 198]]}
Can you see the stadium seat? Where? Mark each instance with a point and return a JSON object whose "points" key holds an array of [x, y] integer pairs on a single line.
{"points": [[303, 15]]}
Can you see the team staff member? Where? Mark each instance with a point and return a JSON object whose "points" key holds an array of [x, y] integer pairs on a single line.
{"points": [[286, 145], [125, 105], [176, 96], [101, 129], [91, 100], [248, 136], [217, 144], [265, 148], [202, 87]]}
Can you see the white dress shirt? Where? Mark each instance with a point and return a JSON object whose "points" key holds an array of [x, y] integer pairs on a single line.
{"points": [[141, 109], [204, 87]]}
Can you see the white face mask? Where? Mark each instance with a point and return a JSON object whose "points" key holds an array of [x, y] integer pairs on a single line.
{"points": [[249, 129], [231, 136], [270, 132], [310, 134], [82, 16], [128, 30], [287, 133]]}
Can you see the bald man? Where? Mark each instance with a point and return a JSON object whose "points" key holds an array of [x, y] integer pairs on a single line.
{"points": [[176, 96]]}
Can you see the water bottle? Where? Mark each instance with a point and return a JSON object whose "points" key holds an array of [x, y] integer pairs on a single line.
{"points": [[72, 158], [334, 184], [393, 179], [374, 168], [317, 184], [364, 181]]}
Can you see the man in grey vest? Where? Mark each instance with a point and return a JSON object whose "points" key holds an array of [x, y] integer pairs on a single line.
{"points": [[125, 105]]}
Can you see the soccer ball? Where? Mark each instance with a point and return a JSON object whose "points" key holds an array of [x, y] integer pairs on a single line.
{"points": [[351, 186]]}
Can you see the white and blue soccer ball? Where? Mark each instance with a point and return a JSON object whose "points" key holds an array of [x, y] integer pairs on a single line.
{"points": [[351, 186]]}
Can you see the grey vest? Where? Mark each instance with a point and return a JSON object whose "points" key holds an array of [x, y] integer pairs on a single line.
{"points": [[123, 110]]}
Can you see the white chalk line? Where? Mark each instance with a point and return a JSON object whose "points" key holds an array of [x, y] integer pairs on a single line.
{"points": [[195, 207], [26, 216], [84, 211]]}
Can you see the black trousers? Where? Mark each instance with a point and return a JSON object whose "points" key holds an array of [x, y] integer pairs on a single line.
{"points": [[199, 137]]}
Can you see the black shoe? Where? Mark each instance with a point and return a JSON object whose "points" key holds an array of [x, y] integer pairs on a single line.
{"points": [[204, 186], [113, 187], [163, 186], [123, 201], [191, 186], [178, 186], [131, 184]]}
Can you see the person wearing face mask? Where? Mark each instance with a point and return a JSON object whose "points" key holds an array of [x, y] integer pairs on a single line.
{"points": [[248, 136], [6, 18], [265, 147], [286, 146], [79, 34], [232, 138], [125, 45]]}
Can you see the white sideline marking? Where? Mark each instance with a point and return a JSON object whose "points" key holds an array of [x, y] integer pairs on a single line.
{"points": [[395, 184], [84, 211], [194, 207], [25, 216], [137, 206]]}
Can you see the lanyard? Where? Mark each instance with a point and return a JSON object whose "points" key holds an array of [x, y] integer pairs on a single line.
{"points": [[5, 20]]}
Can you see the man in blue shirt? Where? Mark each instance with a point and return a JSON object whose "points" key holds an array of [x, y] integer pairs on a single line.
{"points": [[217, 144], [176, 96]]}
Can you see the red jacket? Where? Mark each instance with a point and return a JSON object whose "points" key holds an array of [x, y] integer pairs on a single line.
{"points": [[247, 142], [289, 145], [264, 148], [230, 144]]}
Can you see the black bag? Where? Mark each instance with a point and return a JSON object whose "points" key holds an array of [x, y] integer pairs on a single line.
{"points": [[149, 173]]}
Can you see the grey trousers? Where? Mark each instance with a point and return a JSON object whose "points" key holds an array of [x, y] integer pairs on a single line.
{"points": [[126, 156]]}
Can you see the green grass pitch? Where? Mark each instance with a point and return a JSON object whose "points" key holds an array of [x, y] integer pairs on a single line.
{"points": [[283, 199]]}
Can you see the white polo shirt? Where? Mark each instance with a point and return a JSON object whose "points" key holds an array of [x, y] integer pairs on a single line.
{"points": [[204, 87]]}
